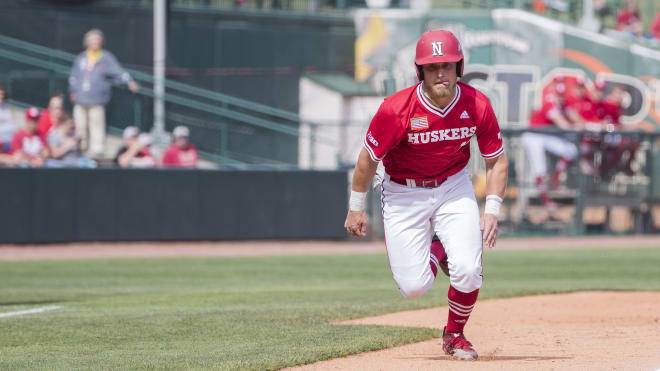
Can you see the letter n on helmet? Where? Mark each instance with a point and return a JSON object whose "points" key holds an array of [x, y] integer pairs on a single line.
{"points": [[438, 46]]}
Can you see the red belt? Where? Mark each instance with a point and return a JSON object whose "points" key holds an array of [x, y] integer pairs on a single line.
{"points": [[419, 183]]}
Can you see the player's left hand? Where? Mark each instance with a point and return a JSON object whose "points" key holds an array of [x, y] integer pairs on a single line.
{"points": [[489, 230]]}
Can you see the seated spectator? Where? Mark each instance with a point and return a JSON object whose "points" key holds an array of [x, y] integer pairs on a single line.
{"points": [[128, 137], [64, 146], [596, 115], [620, 149], [51, 116], [553, 113], [602, 9], [655, 26], [629, 20], [28, 148], [579, 105], [136, 152], [181, 153], [7, 126]]}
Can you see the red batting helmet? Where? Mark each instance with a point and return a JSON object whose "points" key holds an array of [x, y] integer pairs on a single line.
{"points": [[438, 46]]}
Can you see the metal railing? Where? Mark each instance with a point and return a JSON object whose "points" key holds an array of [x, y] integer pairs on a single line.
{"points": [[229, 130]]}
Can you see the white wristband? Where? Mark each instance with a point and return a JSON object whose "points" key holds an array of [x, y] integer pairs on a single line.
{"points": [[357, 201], [493, 203]]}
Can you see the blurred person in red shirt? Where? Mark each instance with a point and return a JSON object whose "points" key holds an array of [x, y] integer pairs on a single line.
{"points": [[181, 153], [137, 154], [655, 26], [629, 20], [27, 146], [51, 116], [608, 109], [595, 116], [552, 114], [581, 108]]}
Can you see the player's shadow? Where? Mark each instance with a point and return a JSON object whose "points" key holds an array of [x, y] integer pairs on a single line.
{"points": [[489, 358]]}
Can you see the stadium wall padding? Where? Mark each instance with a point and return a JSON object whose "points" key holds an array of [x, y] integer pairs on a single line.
{"points": [[76, 205]]}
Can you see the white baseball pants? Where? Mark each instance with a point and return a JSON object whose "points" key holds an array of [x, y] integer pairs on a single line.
{"points": [[412, 215], [537, 144]]}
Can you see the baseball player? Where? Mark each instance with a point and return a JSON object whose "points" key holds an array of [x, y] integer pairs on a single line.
{"points": [[422, 135]]}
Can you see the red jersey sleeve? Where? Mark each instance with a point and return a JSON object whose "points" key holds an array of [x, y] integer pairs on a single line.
{"points": [[384, 133], [44, 124], [17, 141], [488, 133]]}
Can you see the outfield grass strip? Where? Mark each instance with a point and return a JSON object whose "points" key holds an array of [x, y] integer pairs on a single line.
{"points": [[30, 311]]}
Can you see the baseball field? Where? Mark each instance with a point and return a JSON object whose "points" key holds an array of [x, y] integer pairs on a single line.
{"points": [[198, 309]]}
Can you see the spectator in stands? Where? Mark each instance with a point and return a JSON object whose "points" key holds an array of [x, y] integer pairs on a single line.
{"points": [[181, 153], [602, 10], [93, 72], [129, 136], [608, 109], [620, 149], [553, 114], [64, 146], [7, 130], [629, 20], [137, 154], [7, 126], [655, 26], [27, 146], [595, 114], [578, 104], [51, 116]]}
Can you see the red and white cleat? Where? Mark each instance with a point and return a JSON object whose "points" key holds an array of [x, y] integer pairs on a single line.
{"points": [[456, 345]]}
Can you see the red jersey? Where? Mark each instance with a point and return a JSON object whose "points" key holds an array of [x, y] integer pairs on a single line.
{"points": [[626, 18], [655, 26], [609, 112], [45, 123], [585, 107], [175, 157], [30, 144], [418, 140], [541, 117]]}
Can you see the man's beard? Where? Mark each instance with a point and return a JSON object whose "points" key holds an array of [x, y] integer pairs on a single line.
{"points": [[442, 92]]}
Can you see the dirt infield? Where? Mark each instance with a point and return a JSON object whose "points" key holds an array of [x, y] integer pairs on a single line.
{"points": [[576, 331], [268, 248]]}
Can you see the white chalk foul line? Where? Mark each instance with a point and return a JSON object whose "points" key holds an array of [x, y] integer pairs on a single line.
{"points": [[30, 311]]}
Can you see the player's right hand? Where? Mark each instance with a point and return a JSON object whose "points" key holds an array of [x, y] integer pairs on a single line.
{"points": [[356, 223]]}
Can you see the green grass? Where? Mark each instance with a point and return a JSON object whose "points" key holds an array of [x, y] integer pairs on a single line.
{"points": [[254, 313]]}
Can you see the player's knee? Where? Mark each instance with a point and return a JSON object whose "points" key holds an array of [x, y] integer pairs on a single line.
{"points": [[466, 277], [412, 289]]}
